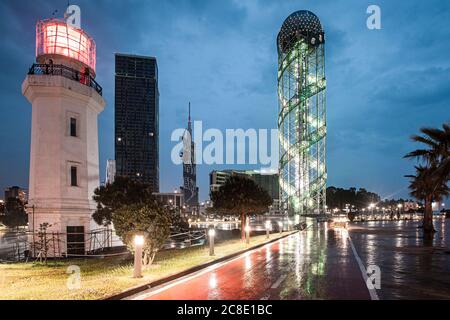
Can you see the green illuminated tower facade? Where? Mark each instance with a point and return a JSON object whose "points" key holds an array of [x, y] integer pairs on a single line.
{"points": [[302, 114]]}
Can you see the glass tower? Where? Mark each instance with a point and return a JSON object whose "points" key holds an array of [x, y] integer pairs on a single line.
{"points": [[302, 114], [136, 119]]}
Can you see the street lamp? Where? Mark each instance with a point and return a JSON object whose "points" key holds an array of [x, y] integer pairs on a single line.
{"points": [[268, 225], [138, 243], [371, 206], [399, 206], [211, 233], [247, 233]]}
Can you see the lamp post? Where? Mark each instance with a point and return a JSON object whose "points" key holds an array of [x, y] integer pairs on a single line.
{"points": [[138, 243], [247, 232], [34, 228], [211, 233], [290, 223], [268, 224], [371, 206], [399, 206]]}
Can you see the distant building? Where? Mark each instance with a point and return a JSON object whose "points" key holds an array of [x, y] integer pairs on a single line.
{"points": [[171, 199], [136, 119], [410, 205], [189, 188], [16, 192], [268, 182], [204, 206], [110, 171]]}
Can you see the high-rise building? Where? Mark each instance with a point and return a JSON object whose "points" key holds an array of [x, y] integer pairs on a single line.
{"points": [[110, 171], [267, 181], [189, 188], [171, 199], [16, 192], [136, 119], [301, 117], [66, 101]]}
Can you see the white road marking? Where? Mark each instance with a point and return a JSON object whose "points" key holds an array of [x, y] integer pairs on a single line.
{"points": [[278, 282], [372, 292]]}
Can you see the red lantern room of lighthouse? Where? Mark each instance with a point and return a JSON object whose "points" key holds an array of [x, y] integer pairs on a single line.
{"points": [[64, 159], [61, 44]]}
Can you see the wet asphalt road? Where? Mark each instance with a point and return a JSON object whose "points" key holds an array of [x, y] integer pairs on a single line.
{"points": [[314, 264], [410, 267]]}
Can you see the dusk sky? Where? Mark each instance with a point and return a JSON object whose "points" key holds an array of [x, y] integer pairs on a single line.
{"points": [[382, 85]]}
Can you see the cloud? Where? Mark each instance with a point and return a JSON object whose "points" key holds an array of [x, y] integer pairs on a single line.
{"points": [[221, 55]]}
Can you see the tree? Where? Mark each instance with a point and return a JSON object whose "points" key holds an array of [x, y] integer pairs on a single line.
{"points": [[241, 196], [179, 224], [428, 187], [432, 175], [111, 197], [15, 214], [150, 220], [339, 197], [42, 245]]}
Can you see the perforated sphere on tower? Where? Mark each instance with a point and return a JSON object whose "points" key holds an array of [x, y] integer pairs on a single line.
{"points": [[302, 23]]}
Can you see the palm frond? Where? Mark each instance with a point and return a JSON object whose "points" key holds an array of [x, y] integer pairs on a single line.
{"points": [[434, 133], [426, 140], [418, 153]]}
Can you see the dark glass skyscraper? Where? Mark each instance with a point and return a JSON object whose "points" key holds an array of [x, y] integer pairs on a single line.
{"points": [[136, 119]]}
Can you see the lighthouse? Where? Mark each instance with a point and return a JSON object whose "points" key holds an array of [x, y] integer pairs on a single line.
{"points": [[66, 101]]}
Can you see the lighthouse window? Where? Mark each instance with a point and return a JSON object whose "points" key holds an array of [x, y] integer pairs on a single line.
{"points": [[73, 127], [73, 176]]}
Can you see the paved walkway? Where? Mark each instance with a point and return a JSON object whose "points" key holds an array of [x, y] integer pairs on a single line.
{"points": [[314, 264]]}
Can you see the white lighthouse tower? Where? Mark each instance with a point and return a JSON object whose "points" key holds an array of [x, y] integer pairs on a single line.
{"points": [[66, 101]]}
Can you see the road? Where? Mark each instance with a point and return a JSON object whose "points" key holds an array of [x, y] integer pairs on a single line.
{"points": [[314, 264]]}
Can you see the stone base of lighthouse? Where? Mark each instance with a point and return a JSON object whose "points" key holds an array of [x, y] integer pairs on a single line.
{"points": [[64, 165]]}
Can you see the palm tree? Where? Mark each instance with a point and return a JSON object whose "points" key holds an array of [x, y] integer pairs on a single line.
{"points": [[431, 180], [437, 153], [427, 186]]}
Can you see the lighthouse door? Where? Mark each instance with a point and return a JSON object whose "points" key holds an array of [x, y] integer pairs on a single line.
{"points": [[75, 240]]}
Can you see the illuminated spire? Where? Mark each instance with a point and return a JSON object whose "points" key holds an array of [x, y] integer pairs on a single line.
{"points": [[189, 119]]}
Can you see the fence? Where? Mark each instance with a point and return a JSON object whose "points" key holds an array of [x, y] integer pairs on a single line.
{"points": [[66, 72], [18, 246]]}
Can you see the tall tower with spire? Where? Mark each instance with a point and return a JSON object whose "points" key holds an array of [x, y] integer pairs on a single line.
{"points": [[190, 189]]}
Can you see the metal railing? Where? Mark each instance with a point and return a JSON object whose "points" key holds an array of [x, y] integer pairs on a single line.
{"points": [[185, 239], [66, 72]]}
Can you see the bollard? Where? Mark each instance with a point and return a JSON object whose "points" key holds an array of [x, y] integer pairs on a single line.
{"points": [[211, 233]]}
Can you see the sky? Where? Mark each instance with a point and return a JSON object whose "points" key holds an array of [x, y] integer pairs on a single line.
{"points": [[382, 85]]}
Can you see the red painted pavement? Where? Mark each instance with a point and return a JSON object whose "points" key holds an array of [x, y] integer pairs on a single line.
{"points": [[314, 264]]}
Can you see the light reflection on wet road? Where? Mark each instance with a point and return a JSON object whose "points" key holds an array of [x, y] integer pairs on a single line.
{"points": [[410, 267], [314, 264]]}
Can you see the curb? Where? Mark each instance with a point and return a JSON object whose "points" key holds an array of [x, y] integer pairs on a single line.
{"points": [[158, 282]]}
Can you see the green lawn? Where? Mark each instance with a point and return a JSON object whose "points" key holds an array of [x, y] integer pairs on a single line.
{"points": [[103, 277]]}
